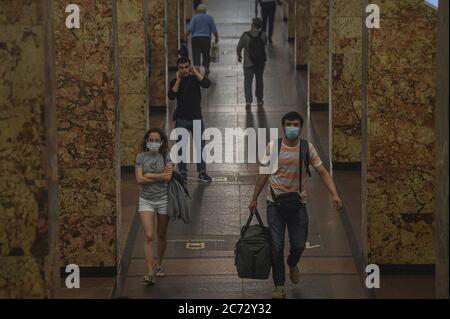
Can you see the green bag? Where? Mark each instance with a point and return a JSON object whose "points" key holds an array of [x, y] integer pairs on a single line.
{"points": [[253, 251], [215, 53]]}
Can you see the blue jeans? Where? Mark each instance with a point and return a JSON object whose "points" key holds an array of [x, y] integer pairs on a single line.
{"points": [[297, 225], [189, 125]]}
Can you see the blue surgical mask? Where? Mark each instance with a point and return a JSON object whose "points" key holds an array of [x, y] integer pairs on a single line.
{"points": [[153, 146], [292, 132]]}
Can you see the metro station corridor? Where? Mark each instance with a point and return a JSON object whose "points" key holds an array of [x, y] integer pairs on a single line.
{"points": [[79, 101], [219, 210]]}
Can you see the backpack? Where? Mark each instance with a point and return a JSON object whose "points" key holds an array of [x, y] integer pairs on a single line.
{"points": [[257, 49], [252, 254]]}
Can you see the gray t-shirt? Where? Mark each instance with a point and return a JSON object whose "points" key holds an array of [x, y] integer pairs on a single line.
{"points": [[152, 163]]}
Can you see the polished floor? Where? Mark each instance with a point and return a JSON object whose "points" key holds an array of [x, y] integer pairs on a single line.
{"points": [[330, 265]]}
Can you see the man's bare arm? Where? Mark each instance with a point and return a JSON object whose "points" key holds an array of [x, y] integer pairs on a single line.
{"points": [[260, 183], [329, 183]]}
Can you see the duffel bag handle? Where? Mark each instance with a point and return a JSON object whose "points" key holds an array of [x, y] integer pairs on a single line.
{"points": [[256, 213]]}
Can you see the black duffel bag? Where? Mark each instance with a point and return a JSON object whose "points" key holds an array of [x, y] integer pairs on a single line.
{"points": [[252, 253]]}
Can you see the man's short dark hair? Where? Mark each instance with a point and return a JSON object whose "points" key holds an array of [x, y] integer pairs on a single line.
{"points": [[183, 60], [257, 23], [292, 116]]}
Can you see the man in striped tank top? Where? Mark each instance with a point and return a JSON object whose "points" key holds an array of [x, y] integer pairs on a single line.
{"points": [[286, 179]]}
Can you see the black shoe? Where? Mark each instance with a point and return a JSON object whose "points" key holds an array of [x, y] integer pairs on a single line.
{"points": [[260, 103], [248, 106], [204, 177]]}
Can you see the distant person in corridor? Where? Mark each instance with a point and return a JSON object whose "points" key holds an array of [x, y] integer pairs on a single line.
{"points": [[201, 27], [186, 88], [286, 198], [253, 43], [153, 171], [268, 11]]}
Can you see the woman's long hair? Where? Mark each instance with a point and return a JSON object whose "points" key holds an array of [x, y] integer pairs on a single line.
{"points": [[164, 149]]}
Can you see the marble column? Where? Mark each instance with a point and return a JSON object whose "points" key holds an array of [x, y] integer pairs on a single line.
{"points": [[25, 262], [441, 119], [87, 118], [189, 9], [318, 55], [158, 48], [302, 26], [131, 37], [285, 10], [346, 81], [399, 134], [182, 19], [172, 33], [291, 20]]}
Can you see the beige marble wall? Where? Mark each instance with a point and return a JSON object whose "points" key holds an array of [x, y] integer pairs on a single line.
{"points": [[291, 20], [302, 26], [441, 119], [399, 137], [24, 224], [156, 29], [86, 115], [172, 33], [318, 52], [346, 80], [131, 37]]}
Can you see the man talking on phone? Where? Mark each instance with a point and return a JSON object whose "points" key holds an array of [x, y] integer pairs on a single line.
{"points": [[186, 88]]}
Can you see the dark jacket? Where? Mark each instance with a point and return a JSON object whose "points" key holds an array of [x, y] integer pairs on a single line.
{"points": [[178, 204], [188, 97]]}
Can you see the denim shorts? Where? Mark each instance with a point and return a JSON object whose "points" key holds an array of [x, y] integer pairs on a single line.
{"points": [[155, 206]]}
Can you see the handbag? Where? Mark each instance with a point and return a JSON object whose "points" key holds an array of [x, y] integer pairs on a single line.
{"points": [[253, 250], [215, 53], [286, 202]]}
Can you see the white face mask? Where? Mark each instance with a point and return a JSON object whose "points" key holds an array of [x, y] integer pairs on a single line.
{"points": [[153, 146]]}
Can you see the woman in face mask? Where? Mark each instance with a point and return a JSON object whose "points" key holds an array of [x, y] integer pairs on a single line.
{"points": [[153, 171]]}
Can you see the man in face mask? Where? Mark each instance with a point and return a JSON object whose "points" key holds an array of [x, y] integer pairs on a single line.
{"points": [[286, 197]]}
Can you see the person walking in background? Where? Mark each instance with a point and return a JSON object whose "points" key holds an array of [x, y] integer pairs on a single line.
{"points": [[186, 89], [201, 27], [268, 11], [153, 170], [253, 43]]}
